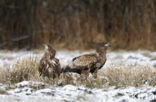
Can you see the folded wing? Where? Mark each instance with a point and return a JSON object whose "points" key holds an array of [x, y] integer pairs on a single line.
{"points": [[84, 61]]}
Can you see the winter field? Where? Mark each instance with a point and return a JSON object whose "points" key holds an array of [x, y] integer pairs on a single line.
{"points": [[127, 76]]}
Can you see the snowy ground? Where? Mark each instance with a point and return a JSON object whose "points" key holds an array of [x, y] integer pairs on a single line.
{"points": [[26, 91]]}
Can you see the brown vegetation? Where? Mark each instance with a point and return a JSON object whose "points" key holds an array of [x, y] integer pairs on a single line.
{"points": [[27, 69], [130, 76], [129, 24]]}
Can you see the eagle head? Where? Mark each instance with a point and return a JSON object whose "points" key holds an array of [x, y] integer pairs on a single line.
{"points": [[49, 50]]}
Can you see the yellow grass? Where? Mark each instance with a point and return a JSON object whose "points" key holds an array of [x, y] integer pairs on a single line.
{"points": [[2, 91], [27, 69], [129, 76]]}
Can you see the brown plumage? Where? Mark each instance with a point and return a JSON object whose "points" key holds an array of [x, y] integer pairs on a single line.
{"points": [[89, 63], [49, 65]]}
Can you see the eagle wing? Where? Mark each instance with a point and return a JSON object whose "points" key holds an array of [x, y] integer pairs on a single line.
{"points": [[42, 66], [55, 64], [84, 60]]}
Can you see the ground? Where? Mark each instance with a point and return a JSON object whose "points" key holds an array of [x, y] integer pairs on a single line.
{"points": [[127, 76]]}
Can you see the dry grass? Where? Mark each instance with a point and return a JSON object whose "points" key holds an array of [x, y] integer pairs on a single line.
{"points": [[154, 65], [2, 91], [129, 76], [74, 24], [23, 69], [26, 69], [147, 54]]}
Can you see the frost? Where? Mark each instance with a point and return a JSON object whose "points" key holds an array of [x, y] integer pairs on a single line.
{"points": [[30, 91], [73, 93]]}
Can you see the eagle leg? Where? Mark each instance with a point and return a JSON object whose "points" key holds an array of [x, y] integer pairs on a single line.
{"points": [[95, 73], [85, 73]]}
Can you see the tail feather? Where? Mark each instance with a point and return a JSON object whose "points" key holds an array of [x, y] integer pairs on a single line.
{"points": [[69, 69]]}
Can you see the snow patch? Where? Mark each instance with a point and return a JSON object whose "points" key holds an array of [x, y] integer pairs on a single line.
{"points": [[73, 93], [40, 92]]}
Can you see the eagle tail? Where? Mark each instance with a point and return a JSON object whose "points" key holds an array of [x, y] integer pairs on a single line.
{"points": [[69, 69]]}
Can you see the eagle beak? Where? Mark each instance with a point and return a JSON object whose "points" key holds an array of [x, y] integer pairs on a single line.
{"points": [[45, 46], [108, 45]]}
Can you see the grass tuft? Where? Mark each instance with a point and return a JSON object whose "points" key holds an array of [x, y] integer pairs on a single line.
{"points": [[2, 91], [122, 77], [27, 69], [23, 69]]}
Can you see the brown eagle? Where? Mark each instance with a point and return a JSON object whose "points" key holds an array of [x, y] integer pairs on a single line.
{"points": [[49, 66], [89, 63]]}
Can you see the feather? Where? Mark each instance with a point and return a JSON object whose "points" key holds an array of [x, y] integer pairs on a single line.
{"points": [[49, 65], [89, 62]]}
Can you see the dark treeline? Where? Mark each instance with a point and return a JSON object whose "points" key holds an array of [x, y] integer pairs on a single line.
{"points": [[75, 24]]}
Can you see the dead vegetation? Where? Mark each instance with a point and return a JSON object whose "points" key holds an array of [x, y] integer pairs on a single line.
{"points": [[23, 69], [2, 91], [27, 69], [75, 23], [130, 76]]}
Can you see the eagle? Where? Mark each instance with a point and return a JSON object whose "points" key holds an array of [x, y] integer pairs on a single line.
{"points": [[89, 63], [49, 66]]}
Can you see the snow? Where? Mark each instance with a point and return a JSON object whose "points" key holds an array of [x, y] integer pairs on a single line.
{"points": [[30, 91], [118, 58], [72, 93], [8, 58], [130, 59]]}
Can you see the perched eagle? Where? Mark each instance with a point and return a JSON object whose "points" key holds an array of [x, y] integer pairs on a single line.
{"points": [[49, 65], [89, 63]]}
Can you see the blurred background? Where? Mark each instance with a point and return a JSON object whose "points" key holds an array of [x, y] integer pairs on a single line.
{"points": [[75, 24]]}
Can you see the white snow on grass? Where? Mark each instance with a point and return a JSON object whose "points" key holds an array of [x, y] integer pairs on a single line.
{"points": [[130, 58], [8, 58], [118, 58], [29, 91], [72, 93]]}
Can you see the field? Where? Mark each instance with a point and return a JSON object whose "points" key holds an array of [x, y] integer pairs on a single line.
{"points": [[127, 76]]}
